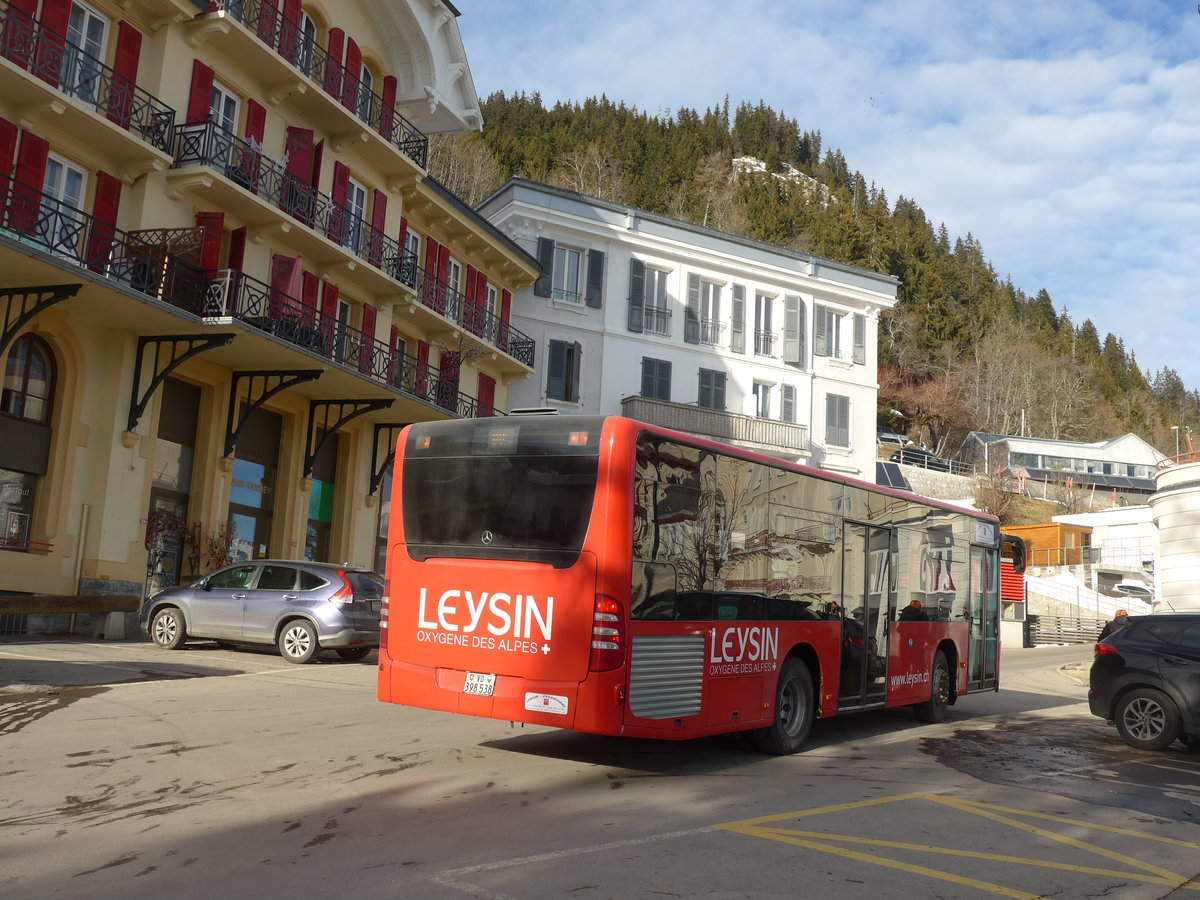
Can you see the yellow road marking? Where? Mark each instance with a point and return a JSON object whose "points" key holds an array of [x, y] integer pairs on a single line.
{"points": [[770, 827]]}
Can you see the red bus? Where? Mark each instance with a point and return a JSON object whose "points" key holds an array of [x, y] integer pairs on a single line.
{"points": [[604, 575]]}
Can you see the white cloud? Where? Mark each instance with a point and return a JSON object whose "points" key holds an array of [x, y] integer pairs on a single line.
{"points": [[1063, 136]]}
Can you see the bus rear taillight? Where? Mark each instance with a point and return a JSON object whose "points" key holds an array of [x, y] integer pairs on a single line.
{"points": [[384, 601], [608, 635]]}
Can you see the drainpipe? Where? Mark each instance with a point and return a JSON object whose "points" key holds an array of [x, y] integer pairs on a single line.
{"points": [[84, 513]]}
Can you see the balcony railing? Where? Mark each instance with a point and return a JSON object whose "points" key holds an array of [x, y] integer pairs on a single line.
{"points": [[764, 343], [240, 296], [265, 19], [79, 75], [49, 225], [208, 144], [721, 426], [712, 332], [656, 320]]}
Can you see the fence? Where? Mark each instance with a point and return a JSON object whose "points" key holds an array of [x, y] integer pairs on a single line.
{"points": [[1063, 630]]}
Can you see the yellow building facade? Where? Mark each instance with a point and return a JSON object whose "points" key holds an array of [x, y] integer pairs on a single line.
{"points": [[227, 281]]}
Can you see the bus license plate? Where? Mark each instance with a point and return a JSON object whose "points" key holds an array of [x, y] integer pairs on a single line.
{"points": [[479, 684]]}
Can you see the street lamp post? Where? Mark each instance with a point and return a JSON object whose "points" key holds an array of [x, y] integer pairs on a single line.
{"points": [[1175, 428]]}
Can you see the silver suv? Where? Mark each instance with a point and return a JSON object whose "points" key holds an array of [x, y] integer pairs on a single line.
{"points": [[300, 607]]}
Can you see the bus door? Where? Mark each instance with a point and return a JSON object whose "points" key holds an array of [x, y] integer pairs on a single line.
{"points": [[983, 641], [867, 588]]}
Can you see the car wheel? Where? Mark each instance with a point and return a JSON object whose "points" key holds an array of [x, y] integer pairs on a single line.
{"points": [[167, 628], [298, 641], [793, 711], [1147, 719], [934, 709], [354, 654]]}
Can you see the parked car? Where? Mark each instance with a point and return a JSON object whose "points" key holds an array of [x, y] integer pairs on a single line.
{"points": [[887, 436], [300, 607], [915, 456], [1145, 678]]}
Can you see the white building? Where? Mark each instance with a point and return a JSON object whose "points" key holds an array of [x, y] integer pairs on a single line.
{"points": [[683, 326]]}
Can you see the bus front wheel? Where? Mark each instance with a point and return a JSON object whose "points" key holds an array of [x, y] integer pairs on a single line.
{"points": [[793, 711]]}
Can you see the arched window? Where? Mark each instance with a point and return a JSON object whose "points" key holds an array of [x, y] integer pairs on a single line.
{"points": [[28, 381], [364, 93], [308, 40]]}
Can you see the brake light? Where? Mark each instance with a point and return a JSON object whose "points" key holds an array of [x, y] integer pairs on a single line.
{"points": [[608, 635], [1107, 650], [344, 595], [383, 614]]}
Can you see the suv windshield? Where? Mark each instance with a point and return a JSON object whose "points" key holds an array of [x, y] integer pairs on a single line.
{"points": [[502, 488]]}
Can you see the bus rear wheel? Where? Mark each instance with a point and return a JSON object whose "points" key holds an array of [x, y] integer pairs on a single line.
{"points": [[934, 709], [793, 711]]}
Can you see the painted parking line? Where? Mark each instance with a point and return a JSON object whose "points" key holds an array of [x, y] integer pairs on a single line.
{"points": [[776, 828]]}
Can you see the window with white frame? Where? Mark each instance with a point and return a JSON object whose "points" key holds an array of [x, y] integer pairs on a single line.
{"points": [[657, 315], [711, 326], [63, 191], [365, 90], [764, 336], [356, 215], [81, 75], [491, 303], [564, 284], [837, 420], [454, 279], [838, 335], [308, 43], [762, 400], [412, 256]]}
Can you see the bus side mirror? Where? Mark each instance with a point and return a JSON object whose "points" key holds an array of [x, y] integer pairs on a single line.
{"points": [[1016, 548]]}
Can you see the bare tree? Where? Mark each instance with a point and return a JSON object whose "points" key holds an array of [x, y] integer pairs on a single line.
{"points": [[590, 170], [463, 163]]}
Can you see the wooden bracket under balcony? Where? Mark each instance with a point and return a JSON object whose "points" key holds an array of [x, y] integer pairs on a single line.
{"points": [[277, 93], [183, 181], [340, 142], [200, 30], [32, 113]]}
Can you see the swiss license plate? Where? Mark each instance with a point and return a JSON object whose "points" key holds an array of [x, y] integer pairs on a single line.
{"points": [[479, 684], [376, 605]]}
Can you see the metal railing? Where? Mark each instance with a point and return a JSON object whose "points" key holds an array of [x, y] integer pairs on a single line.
{"points": [[711, 332], [79, 75], [716, 424], [47, 224], [245, 298], [656, 320], [764, 343], [209, 144], [266, 20]]}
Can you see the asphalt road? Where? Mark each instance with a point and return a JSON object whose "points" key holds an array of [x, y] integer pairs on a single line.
{"points": [[134, 772]]}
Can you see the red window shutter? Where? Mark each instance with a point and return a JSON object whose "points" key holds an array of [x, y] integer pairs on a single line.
{"points": [[443, 264], [282, 268], [125, 68], [213, 225], [329, 300], [487, 396], [318, 154], [353, 73], [104, 210], [268, 22], [8, 155], [311, 286], [18, 30], [333, 63], [200, 95], [395, 363], [30, 177], [387, 116], [56, 15], [366, 350], [402, 234], [378, 221], [337, 193], [237, 249], [289, 31], [422, 382], [298, 194], [469, 306], [481, 311], [432, 292], [256, 122]]}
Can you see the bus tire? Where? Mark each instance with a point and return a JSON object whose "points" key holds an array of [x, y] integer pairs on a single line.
{"points": [[793, 711], [934, 709]]}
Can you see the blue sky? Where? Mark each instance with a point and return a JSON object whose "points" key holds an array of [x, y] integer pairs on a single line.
{"points": [[1065, 136]]}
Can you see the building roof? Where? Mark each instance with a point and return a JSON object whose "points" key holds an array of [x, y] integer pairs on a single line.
{"points": [[634, 219]]}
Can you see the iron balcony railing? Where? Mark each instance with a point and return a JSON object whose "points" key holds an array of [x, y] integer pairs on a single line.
{"points": [[208, 144], [722, 426], [52, 58], [265, 19], [712, 332], [764, 343], [656, 320], [47, 224], [240, 296]]}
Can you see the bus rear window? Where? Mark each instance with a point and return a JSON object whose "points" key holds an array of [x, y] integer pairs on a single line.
{"points": [[515, 489]]}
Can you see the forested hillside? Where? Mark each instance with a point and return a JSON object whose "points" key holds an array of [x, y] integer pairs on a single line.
{"points": [[964, 349]]}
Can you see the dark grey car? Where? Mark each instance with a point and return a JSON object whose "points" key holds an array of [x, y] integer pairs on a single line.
{"points": [[299, 607]]}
